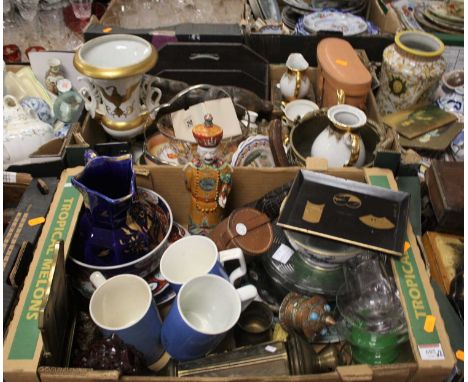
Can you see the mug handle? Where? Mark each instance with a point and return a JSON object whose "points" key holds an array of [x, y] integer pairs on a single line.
{"points": [[247, 294], [97, 279], [234, 254]]}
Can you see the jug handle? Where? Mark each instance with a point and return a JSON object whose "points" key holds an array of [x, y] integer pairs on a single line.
{"points": [[355, 149], [340, 97], [298, 83]]}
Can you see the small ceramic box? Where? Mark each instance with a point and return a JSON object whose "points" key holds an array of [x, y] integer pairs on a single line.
{"points": [[339, 67]]}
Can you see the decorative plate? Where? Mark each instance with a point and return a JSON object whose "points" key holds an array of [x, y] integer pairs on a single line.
{"points": [[439, 9], [348, 24], [255, 151], [443, 23]]}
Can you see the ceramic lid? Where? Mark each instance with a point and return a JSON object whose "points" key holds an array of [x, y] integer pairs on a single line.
{"points": [[342, 67]]}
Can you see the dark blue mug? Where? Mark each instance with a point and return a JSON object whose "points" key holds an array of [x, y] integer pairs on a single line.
{"points": [[206, 308], [124, 305], [196, 255]]}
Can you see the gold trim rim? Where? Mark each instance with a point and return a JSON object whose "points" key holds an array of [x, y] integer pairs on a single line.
{"points": [[115, 73], [418, 52]]}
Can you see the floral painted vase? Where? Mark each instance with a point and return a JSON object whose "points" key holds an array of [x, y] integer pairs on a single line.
{"points": [[411, 70], [114, 228]]}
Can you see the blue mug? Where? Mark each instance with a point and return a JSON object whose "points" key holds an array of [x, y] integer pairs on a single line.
{"points": [[196, 255], [206, 308], [124, 305]]}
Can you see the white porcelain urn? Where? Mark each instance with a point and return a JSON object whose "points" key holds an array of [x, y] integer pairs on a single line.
{"points": [[340, 142], [115, 91]]}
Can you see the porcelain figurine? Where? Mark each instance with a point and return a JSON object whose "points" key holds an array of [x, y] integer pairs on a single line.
{"points": [[114, 228], [69, 105], [294, 83], [115, 92], [208, 178], [23, 134], [53, 75], [340, 142], [411, 70]]}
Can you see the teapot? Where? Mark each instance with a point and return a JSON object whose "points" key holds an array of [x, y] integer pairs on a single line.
{"points": [[294, 83], [22, 133], [340, 142]]}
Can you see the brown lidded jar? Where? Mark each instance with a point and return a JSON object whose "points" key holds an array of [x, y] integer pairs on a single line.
{"points": [[339, 67]]}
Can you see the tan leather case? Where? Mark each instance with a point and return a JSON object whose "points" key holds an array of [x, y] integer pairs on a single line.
{"points": [[339, 67], [246, 228]]}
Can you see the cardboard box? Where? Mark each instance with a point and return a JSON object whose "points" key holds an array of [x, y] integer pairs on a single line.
{"points": [[432, 355], [20, 239]]}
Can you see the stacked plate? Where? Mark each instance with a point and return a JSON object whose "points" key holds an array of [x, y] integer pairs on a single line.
{"points": [[356, 7], [325, 15], [266, 9], [332, 21], [435, 17]]}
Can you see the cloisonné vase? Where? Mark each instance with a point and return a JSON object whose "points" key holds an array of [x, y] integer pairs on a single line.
{"points": [[114, 228]]}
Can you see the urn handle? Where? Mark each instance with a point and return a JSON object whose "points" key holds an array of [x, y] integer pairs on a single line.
{"points": [[151, 95], [355, 149], [90, 96], [340, 97]]}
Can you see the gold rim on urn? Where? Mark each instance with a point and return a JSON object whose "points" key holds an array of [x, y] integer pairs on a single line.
{"points": [[115, 73]]}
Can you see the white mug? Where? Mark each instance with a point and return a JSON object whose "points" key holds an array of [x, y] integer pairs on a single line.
{"points": [[206, 308], [195, 256], [124, 305]]}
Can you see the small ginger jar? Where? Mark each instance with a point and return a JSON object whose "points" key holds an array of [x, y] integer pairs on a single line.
{"points": [[411, 70], [53, 75]]}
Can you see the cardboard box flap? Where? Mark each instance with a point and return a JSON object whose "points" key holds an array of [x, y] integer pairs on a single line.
{"points": [[432, 350], [355, 373]]}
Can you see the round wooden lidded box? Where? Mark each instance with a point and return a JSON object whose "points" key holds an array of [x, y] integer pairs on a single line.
{"points": [[246, 228], [339, 67]]}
